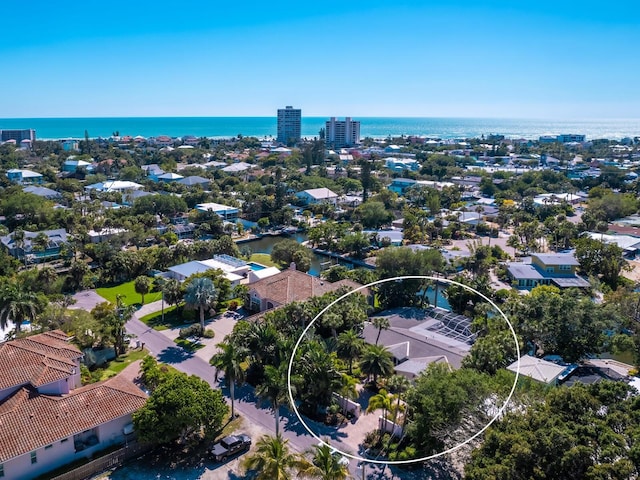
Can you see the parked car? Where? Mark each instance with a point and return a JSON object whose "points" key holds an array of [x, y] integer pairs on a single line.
{"points": [[230, 445]]}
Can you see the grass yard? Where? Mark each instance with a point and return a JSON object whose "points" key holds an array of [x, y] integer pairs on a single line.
{"points": [[188, 345], [263, 258], [120, 363], [172, 318], [128, 292]]}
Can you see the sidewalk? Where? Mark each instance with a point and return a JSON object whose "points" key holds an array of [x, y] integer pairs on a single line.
{"points": [[221, 324]]}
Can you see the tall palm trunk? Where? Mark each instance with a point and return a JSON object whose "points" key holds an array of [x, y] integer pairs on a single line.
{"points": [[232, 392], [202, 318], [276, 411]]}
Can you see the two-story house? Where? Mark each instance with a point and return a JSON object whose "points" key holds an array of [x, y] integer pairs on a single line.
{"points": [[47, 419], [24, 177], [317, 195], [557, 269], [28, 244]]}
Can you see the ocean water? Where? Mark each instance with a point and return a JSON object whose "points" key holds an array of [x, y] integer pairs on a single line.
{"points": [[265, 127]]}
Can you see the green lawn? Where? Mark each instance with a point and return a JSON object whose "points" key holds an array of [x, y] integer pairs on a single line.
{"points": [[172, 318], [127, 290], [263, 258], [188, 345], [118, 364]]}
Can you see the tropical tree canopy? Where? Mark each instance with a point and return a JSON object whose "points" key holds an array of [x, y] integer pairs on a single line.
{"points": [[272, 460], [180, 406]]}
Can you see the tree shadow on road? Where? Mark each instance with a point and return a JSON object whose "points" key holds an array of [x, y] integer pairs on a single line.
{"points": [[174, 355]]}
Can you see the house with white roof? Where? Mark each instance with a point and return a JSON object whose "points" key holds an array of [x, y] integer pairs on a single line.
{"points": [[402, 164], [538, 369], [23, 176], [169, 177], [318, 195], [238, 167], [224, 211], [629, 244], [72, 165], [234, 269], [120, 186]]}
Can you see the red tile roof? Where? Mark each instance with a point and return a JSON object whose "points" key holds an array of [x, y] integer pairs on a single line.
{"points": [[29, 420], [295, 286], [37, 360]]}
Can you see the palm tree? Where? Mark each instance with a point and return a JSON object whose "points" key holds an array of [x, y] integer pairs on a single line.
{"points": [[229, 359], [274, 389], [376, 360], [398, 384], [142, 285], [18, 305], [382, 400], [332, 321], [19, 241], [327, 464], [47, 277], [350, 346], [172, 291], [201, 294], [381, 323], [41, 242], [272, 460]]}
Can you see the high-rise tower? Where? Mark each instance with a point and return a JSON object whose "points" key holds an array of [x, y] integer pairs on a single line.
{"points": [[342, 133], [289, 124]]}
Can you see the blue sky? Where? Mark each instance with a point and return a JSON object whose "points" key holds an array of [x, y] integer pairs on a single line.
{"points": [[493, 58]]}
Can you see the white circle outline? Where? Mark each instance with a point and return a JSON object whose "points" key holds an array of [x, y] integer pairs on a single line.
{"points": [[435, 455]]}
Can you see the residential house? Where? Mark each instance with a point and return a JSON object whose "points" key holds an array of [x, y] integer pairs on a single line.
{"points": [[629, 244], [401, 185], [539, 369], [23, 176], [28, 246], [43, 192], [104, 234], [291, 286], [48, 420], [546, 269], [120, 186], [169, 177], [402, 164], [71, 165], [153, 171], [195, 180], [238, 167], [419, 337], [234, 269], [223, 211], [318, 195]]}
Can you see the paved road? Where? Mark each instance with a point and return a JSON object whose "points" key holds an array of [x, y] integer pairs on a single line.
{"points": [[166, 351]]}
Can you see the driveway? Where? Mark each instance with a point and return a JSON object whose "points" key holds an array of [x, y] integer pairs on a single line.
{"points": [[86, 300]]}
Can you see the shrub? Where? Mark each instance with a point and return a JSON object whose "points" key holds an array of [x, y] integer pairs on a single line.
{"points": [[208, 333], [233, 305], [194, 330]]}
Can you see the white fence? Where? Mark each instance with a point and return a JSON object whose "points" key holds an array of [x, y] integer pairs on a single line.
{"points": [[348, 406]]}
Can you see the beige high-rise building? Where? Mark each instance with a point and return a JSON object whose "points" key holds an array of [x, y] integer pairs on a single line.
{"points": [[342, 133]]}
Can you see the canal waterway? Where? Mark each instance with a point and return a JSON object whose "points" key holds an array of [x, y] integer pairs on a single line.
{"points": [[265, 244]]}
